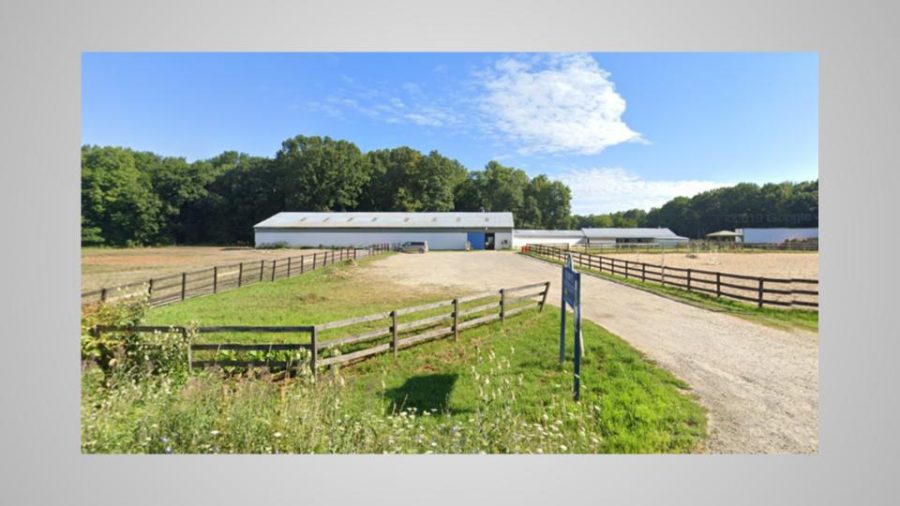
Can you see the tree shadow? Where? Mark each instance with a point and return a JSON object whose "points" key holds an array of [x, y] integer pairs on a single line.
{"points": [[422, 393]]}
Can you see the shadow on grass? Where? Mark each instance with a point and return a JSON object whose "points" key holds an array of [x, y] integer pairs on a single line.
{"points": [[423, 393]]}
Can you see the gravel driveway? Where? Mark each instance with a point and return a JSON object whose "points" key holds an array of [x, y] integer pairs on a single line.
{"points": [[760, 385]]}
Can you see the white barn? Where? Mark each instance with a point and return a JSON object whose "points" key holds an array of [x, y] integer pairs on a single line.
{"points": [[522, 237], [775, 235], [611, 237], [442, 231]]}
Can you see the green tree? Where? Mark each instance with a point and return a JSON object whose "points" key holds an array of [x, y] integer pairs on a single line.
{"points": [[321, 174], [117, 204]]}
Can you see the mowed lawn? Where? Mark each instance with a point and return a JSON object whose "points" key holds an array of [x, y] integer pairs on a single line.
{"points": [[628, 404]]}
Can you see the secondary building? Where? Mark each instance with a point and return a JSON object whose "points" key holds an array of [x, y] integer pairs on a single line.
{"points": [[442, 231], [776, 235], [612, 237], [522, 237]]}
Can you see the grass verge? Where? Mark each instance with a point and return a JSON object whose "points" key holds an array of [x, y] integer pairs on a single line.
{"points": [[778, 318]]}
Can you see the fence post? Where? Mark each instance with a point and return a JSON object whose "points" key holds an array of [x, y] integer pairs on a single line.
{"points": [[662, 278], [718, 284], [626, 269], [103, 295], [643, 273], [183, 284], [302, 267], [760, 303], [502, 304], [315, 260], [314, 350], [455, 319], [190, 358], [262, 268], [274, 263], [150, 290], [289, 268], [240, 274], [544, 298], [215, 279], [689, 280], [394, 332]]}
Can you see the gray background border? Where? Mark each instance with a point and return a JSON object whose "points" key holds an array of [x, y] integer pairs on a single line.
{"points": [[39, 113]]}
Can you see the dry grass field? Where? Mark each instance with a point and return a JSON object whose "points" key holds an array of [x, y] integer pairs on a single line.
{"points": [[108, 267], [775, 265]]}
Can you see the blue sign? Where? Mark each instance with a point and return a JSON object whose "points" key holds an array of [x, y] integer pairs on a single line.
{"points": [[570, 283], [571, 296]]}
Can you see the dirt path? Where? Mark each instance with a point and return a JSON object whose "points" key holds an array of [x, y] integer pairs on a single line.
{"points": [[760, 384]]}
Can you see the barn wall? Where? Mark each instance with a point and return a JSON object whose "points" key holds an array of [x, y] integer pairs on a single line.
{"points": [[503, 240], [519, 241], [777, 235], [437, 239]]}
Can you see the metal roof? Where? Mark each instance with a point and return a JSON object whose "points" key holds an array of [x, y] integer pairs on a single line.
{"points": [[723, 233], [547, 233], [387, 220], [629, 233]]}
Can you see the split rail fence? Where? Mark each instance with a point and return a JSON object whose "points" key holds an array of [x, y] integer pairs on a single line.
{"points": [[185, 285], [356, 338], [761, 291]]}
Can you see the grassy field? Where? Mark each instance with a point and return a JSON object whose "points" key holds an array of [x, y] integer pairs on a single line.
{"points": [[773, 317], [498, 389]]}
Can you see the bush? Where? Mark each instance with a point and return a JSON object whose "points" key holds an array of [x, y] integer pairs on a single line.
{"points": [[130, 352], [274, 245]]}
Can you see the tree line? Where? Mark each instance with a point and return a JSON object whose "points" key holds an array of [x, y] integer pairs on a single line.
{"points": [[131, 198], [745, 205]]}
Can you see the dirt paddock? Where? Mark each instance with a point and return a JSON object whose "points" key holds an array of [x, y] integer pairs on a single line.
{"points": [[109, 267], [774, 265]]}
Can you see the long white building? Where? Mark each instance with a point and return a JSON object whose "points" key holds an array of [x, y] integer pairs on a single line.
{"points": [[606, 237], [442, 231]]}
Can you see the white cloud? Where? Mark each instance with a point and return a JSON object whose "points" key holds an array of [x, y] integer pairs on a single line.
{"points": [[602, 190], [557, 103]]}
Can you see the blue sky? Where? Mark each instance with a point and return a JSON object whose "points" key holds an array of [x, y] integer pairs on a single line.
{"points": [[623, 130]]}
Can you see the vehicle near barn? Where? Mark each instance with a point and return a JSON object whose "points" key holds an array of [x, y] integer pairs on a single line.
{"points": [[414, 247]]}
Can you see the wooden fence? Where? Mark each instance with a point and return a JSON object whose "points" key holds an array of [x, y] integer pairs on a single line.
{"points": [[362, 337], [185, 285], [761, 291]]}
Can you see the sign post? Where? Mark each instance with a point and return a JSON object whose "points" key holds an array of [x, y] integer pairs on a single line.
{"points": [[571, 295]]}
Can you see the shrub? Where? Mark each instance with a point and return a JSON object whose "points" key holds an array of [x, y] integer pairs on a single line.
{"points": [[131, 352]]}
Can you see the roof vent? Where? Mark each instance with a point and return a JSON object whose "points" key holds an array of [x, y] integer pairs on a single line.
{"points": [[459, 218], [303, 218], [326, 219], [406, 219], [350, 219], [374, 218], [434, 219]]}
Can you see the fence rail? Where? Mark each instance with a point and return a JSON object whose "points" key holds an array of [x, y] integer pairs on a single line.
{"points": [[762, 291], [693, 246], [378, 333], [185, 285]]}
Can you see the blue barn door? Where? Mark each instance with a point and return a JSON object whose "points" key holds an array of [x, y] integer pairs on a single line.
{"points": [[476, 239]]}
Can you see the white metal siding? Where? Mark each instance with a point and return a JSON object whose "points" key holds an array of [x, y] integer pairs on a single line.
{"points": [[503, 240], [436, 240], [519, 241], [777, 235]]}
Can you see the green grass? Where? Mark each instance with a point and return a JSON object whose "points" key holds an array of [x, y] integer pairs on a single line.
{"points": [[498, 389], [778, 318]]}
